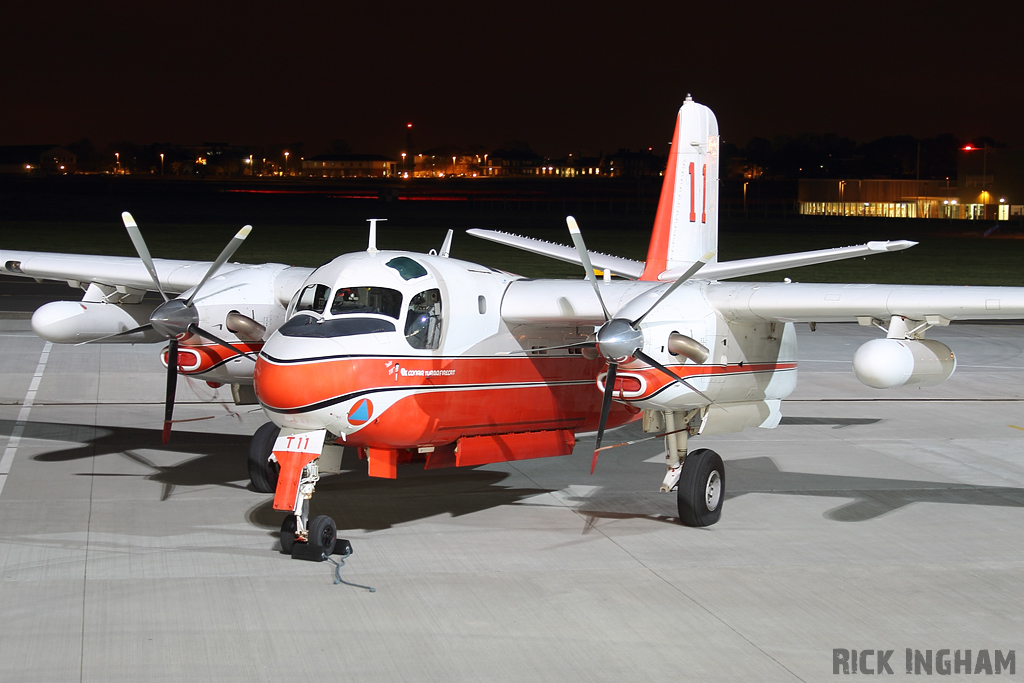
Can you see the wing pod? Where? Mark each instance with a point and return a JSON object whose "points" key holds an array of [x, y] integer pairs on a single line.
{"points": [[74, 322], [888, 363]]}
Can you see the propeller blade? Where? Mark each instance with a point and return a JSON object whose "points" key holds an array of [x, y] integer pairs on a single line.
{"points": [[143, 251], [195, 329], [140, 328], [606, 405], [676, 378], [581, 248], [697, 265], [172, 386], [228, 251]]}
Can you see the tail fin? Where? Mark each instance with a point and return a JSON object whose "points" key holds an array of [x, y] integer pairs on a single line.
{"points": [[686, 224]]}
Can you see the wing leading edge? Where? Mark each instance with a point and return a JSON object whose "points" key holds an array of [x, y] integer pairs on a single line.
{"points": [[806, 302], [126, 271]]}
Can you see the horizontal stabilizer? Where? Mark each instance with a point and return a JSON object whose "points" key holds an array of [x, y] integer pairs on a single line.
{"points": [[713, 271], [767, 264], [618, 266]]}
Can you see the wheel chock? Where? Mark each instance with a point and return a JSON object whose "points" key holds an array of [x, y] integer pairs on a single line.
{"points": [[303, 551]]}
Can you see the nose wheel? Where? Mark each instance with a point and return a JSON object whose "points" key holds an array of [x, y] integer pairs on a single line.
{"points": [[315, 543]]}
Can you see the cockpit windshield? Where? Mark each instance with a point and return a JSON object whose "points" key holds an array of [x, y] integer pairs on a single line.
{"points": [[313, 298], [379, 300]]}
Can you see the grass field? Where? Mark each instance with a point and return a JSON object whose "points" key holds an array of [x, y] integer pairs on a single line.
{"points": [[309, 231]]}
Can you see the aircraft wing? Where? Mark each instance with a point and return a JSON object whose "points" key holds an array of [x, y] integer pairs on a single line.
{"points": [[806, 302], [713, 271], [113, 271]]}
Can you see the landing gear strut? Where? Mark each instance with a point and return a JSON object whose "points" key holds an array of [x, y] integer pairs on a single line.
{"points": [[698, 477]]}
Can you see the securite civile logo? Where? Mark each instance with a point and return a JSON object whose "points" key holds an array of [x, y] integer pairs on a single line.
{"points": [[360, 413]]}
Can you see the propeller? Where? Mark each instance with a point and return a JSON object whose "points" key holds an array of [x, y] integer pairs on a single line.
{"points": [[177, 319], [620, 338]]}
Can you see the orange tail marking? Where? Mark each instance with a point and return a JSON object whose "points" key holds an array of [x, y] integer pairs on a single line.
{"points": [[657, 252]]}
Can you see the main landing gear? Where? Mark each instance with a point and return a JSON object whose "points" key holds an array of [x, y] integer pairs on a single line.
{"points": [[263, 467], [698, 477]]}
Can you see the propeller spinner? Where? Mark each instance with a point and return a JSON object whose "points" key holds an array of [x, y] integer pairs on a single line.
{"points": [[619, 339]]}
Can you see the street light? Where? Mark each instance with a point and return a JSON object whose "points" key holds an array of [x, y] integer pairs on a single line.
{"points": [[117, 157], [984, 162], [161, 163], [286, 163]]}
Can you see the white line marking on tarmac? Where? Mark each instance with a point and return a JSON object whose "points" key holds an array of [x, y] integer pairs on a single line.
{"points": [[26, 408]]}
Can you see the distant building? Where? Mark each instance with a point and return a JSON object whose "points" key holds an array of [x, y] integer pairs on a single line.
{"points": [[989, 186], [990, 182], [882, 198], [36, 159], [514, 162], [348, 166], [626, 164]]}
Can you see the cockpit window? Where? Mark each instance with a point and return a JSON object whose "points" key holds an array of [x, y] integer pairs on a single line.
{"points": [[367, 300], [423, 320], [313, 298], [407, 268]]}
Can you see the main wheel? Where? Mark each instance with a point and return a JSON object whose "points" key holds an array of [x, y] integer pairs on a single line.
{"points": [[262, 471], [701, 488], [288, 527], [322, 535]]}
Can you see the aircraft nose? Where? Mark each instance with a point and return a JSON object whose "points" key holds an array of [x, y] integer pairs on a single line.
{"points": [[297, 381]]}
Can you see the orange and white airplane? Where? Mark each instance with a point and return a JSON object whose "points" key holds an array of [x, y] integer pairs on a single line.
{"points": [[410, 356]]}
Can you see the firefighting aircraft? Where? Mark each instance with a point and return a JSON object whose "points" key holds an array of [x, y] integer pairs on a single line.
{"points": [[422, 357]]}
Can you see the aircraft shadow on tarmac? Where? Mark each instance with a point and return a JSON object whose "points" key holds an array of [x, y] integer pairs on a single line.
{"points": [[357, 501], [872, 496], [222, 462], [352, 498], [836, 422]]}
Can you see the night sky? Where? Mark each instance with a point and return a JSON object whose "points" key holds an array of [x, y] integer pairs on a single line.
{"points": [[563, 76]]}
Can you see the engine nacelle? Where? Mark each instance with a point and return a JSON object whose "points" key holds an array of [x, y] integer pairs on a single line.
{"points": [[73, 322], [888, 363]]}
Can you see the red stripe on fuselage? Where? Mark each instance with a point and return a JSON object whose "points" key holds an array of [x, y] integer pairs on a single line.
{"points": [[452, 396]]}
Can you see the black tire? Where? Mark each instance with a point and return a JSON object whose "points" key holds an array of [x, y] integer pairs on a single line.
{"points": [[288, 527], [322, 535], [701, 488], [262, 472]]}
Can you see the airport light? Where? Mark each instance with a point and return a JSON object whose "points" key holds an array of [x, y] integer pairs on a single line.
{"points": [[984, 162]]}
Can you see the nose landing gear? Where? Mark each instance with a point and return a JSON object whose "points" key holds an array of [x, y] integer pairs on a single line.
{"points": [[315, 542]]}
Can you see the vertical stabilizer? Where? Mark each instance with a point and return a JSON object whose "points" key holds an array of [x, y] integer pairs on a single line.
{"points": [[686, 224]]}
